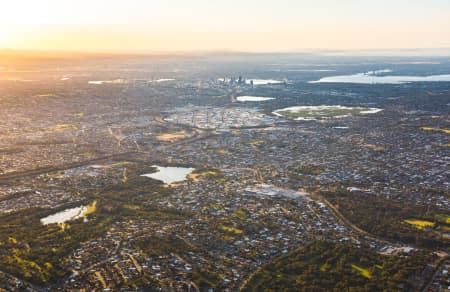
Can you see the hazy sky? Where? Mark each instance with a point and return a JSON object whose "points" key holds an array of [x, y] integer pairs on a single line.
{"points": [[240, 25]]}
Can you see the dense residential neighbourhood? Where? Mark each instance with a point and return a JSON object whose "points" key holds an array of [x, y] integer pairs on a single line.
{"points": [[79, 145]]}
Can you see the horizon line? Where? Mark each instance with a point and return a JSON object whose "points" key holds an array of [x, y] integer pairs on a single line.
{"points": [[312, 51]]}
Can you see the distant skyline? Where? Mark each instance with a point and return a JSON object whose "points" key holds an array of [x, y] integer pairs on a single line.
{"points": [[246, 25]]}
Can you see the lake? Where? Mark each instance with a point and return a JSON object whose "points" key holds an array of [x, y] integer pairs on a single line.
{"points": [[253, 98], [311, 113], [264, 81], [70, 214], [373, 77], [169, 174], [162, 80]]}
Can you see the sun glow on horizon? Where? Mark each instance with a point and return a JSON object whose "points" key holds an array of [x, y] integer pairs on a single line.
{"points": [[264, 25]]}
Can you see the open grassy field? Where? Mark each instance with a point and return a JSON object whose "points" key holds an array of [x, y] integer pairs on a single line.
{"points": [[446, 131], [443, 218], [420, 224], [364, 272], [171, 137]]}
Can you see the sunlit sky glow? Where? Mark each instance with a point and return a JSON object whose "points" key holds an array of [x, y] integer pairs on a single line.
{"points": [[244, 25]]}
